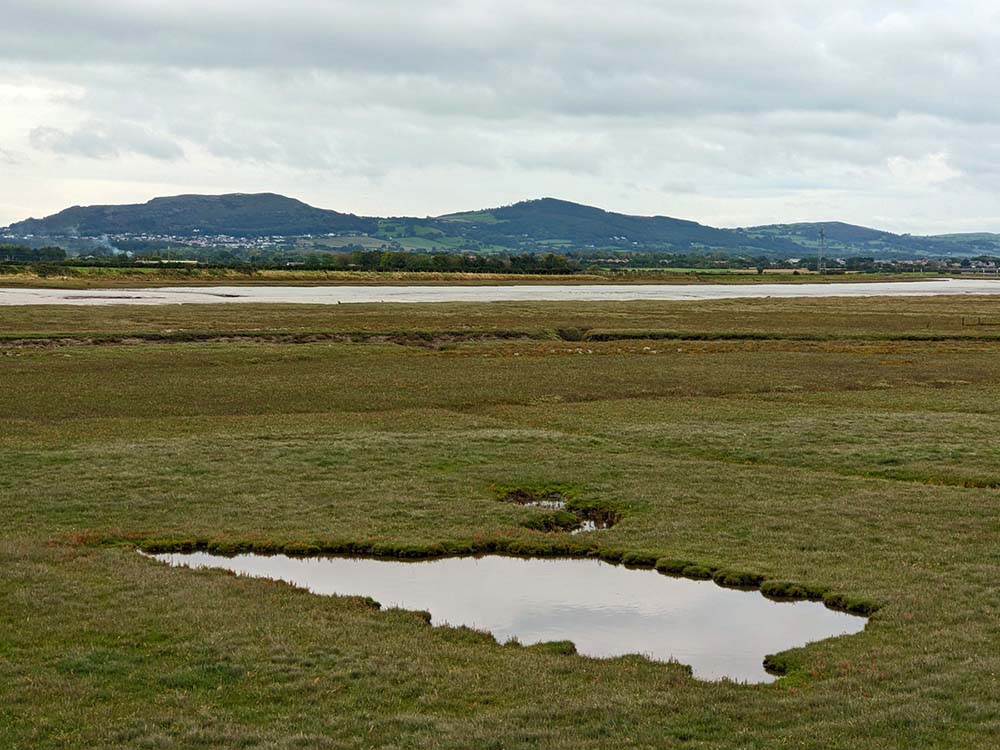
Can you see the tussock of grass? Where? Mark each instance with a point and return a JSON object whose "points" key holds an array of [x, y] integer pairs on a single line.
{"points": [[698, 572], [671, 566], [639, 559], [572, 334], [778, 664], [854, 605], [789, 590], [465, 635], [552, 520], [556, 648], [737, 578]]}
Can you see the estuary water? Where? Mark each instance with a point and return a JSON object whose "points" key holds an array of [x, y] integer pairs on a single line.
{"points": [[606, 610], [330, 295]]}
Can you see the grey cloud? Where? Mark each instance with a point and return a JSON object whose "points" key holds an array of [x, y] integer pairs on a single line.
{"points": [[78, 142], [98, 141], [631, 58], [744, 99]]}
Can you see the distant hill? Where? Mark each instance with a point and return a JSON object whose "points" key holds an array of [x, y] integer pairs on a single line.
{"points": [[853, 240], [974, 243], [236, 214], [534, 226], [836, 231], [560, 222]]}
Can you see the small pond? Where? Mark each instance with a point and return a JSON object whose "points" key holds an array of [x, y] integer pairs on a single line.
{"points": [[606, 610]]}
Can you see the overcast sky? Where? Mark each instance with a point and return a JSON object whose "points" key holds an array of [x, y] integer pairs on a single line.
{"points": [[729, 112]]}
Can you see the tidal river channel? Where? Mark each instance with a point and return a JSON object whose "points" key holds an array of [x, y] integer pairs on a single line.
{"points": [[331, 295], [605, 610]]}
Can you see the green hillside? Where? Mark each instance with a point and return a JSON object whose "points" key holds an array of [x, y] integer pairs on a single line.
{"points": [[236, 214], [545, 225]]}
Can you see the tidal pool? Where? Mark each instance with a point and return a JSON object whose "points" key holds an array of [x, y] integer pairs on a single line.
{"points": [[606, 610], [331, 295]]}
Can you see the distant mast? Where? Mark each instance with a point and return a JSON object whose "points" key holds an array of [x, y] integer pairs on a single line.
{"points": [[822, 249]]}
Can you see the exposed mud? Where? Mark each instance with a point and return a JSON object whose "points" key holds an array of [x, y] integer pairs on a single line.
{"points": [[534, 498], [565, 513], [425, 339], [438, 339]]}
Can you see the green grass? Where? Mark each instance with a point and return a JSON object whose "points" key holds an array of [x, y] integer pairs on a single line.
{"points": [[339, 242], [102, 277], [775, 319], [432, 242], [827, 461], [474, 217]]}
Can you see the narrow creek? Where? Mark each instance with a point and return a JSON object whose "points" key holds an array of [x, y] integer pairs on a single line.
{"points": [[606, 610]]}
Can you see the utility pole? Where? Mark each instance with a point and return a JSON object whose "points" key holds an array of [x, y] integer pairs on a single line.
{"points": [[822, 249]]}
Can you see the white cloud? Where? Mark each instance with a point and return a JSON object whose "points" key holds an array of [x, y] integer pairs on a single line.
{"points": [[926, 171]]}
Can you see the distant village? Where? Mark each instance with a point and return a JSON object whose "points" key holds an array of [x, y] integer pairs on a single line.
{"points": [[292, 251]]}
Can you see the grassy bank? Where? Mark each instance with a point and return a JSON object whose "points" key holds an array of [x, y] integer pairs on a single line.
{"points": [[97, 277], [836, 453]]}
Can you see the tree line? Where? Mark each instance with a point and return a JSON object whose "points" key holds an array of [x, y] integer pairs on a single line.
{"points": [[25, 254], [392, 260]]}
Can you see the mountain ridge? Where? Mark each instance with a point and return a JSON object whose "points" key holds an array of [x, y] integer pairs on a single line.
{"points": [[536, 225]]}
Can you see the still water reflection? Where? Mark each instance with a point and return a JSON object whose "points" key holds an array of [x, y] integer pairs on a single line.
{"points": [[606, 610], [332, 295]]}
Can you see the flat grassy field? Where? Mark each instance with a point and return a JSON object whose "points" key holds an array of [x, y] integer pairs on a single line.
{"points": [[847, 445]]}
